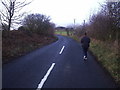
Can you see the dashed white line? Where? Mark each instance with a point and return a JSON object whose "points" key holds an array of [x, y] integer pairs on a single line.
{"points": [[46, 76], [48, 72], [62, 50]]}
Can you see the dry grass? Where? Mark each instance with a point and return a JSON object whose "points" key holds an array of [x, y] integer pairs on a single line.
{"points": [[107, 55], [19, 43]]}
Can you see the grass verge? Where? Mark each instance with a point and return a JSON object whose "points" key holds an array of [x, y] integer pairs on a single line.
{"points": [[75, 38], [107, 56]]}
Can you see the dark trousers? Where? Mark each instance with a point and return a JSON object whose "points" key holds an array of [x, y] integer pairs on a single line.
{"points": [[85, 51]]}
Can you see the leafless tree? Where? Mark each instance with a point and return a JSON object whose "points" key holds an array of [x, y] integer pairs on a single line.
{"points": [[10, 13], [38, 23]]}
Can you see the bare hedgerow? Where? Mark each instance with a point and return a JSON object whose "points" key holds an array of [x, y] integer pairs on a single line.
{"points": [[38, 23]]}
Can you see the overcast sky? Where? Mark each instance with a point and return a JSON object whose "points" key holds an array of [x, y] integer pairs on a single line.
{"points": [[63, 12]]}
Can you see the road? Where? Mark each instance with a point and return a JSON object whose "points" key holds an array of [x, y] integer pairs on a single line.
{"points": [[58, 65]]}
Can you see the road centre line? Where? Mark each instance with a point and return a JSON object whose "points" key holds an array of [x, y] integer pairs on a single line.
{"points": [[46, 76], [62, 50]]}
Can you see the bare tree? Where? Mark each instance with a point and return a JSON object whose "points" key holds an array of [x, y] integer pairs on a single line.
{"points": [[10, 14], [38, 23]]}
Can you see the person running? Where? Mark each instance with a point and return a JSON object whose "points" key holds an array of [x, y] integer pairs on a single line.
{"points": [[85, 41]]}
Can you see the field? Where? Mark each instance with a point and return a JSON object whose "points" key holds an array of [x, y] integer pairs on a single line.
{"points": [[64, 33]]}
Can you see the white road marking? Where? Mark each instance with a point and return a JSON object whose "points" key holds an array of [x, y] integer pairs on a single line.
{"points": [[62, 50], [46, 76]]}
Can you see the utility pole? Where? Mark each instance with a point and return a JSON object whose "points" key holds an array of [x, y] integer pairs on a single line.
{"points": [[84, 25], [0, 23], [74, 23], [74, 27]]}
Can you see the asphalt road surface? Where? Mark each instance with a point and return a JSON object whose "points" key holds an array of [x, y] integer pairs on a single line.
{"points": [[58, 65]]}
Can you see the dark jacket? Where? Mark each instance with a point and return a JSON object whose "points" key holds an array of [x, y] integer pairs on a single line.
{"points": [[85, 41]]}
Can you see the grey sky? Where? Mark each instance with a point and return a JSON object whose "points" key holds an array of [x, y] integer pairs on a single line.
{"points": [[63, 12]]}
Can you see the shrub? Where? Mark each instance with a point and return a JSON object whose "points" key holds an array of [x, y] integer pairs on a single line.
{"points": [[37, 23]]}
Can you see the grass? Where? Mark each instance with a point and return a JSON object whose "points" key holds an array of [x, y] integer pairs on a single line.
{"points": [[107, 56], [75, 37], [64, 33], [19, 43]]}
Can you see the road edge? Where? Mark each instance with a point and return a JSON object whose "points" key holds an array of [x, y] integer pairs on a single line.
{"points": [[14, 58], [104, 69]]}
